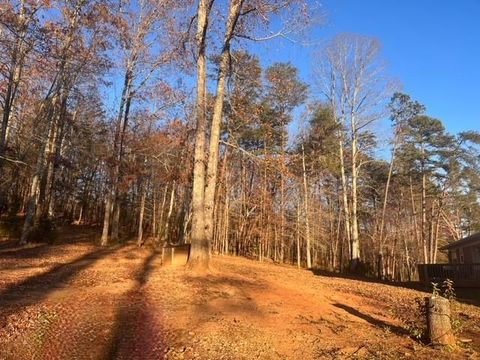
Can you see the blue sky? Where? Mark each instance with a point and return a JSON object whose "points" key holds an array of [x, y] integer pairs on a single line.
{"points": [[432, 47]]}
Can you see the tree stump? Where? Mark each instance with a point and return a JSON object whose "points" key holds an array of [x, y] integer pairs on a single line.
{"points": [[439, 327]]}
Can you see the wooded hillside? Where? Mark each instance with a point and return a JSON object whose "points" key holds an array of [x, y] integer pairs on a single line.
{"points": [[156, 120]]}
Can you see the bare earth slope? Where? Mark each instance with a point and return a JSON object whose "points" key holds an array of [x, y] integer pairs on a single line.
{"points": [[79, 301]]}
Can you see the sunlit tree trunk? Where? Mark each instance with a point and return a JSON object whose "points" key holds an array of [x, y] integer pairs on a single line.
{"points": [[154, 214], [140, 216], [424, 216], [200, 246], [355, 247], [306, 210], [169, 216], [211, 182], [159, 234], [346, 209], [282, 199]]}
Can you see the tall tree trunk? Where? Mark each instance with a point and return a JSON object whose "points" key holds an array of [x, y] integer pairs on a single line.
{"points": [[355, 247], [159, 235], [385, 196], [107, 215], [227, 219], [282, 199], [80, 215], [306, 210], [140, 216], [431, 227], [32, 202], [219, 213], [33, 208], [200, 248], [211, 182], [154, 214], [166, 234], [415, 221], [53, 158], [112, 204], [299, 257], [115, 225], [337, 241], [424, 218], [384, 211], [264, 232], [346, 209], [48, 171]]}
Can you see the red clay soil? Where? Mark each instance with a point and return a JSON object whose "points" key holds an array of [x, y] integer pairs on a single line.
{"points": [[79, 301]]}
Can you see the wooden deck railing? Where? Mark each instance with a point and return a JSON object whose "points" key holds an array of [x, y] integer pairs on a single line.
{"points": [[462, 275]]}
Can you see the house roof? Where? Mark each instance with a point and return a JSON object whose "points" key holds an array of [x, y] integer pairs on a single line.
{"points": [[469, 240]]}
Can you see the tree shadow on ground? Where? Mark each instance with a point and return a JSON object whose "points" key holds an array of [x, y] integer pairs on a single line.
{"points": [[414, 285], [36, 288], [374, 321], [138, 332], [12, 250], [8, 244], [66, 235], [464, 295]]}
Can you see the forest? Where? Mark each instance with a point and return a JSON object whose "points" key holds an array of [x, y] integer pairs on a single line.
{"points": [[163, 122], [105, 123]]}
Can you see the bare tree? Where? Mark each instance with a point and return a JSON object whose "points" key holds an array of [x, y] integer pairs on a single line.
{"points": [[351, 76]]}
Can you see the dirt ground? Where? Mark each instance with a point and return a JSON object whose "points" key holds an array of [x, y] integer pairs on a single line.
{"points": [[79, 301]]}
